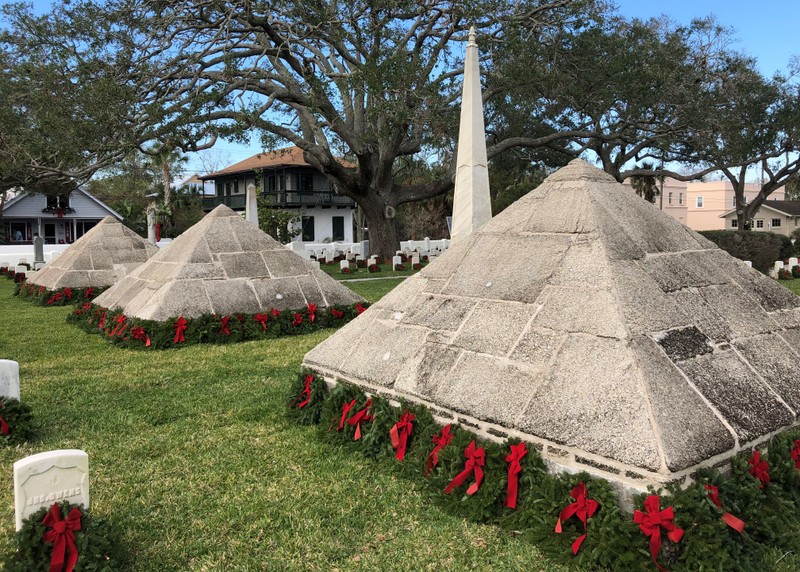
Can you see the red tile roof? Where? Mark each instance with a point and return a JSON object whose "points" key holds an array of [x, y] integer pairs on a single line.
{"points": [[286, 157]]}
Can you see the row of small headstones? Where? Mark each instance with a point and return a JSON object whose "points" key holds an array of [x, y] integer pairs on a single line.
{"points": [[780, 265], [45, 478], [397, 259]]}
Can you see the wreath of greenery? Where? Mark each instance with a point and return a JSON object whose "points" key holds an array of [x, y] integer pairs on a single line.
{"points": [[19, 419], [136, 333], [97, 542], [770, 540], [58, 297]]}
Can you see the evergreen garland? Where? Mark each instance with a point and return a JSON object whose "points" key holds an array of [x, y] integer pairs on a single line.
{"points": [[310, 413], [129, 332], [19, 420], [97, 543], [770, 540], [58, 297]]}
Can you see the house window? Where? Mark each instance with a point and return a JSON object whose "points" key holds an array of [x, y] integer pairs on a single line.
{"points": [[19, 231], [699, 202], [680, 198], [734, 223], [308, 228], [776, 223], [236, 187], [760, 223], [305, 182], [338, 228], [669, 198], [272, 184], [58, 202]]}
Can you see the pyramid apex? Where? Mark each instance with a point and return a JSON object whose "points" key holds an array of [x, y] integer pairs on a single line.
{"points": [[580, 170], [221, 211]]}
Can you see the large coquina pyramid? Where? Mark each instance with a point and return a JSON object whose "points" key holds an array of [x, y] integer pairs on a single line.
{"points": [[223, 265], [98, 259], [588, 322]]}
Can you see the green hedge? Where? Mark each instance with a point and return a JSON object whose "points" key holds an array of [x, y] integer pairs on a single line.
{"points": [[761, 248]]}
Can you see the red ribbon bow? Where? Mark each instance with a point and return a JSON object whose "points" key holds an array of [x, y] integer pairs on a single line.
{"points": [[4, 428], [41, 290], [262, 319], [336, 313], [796, 454], [102, 320], [735, 523], [224, 329], [88, 293], [583, 507], [55, 298], [651, 522], [62, 535], [307, 393], [361, 416], [346, 407], [360, 308], [476, 458], [298, 319], [275, 313], [758, 468], [400, 433], [68, 293], [138, 333], [514, 469], [440, 440], [311, 310], [120, 321], [180, 326]]}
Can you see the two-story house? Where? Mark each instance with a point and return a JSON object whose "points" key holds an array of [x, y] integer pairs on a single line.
{"points": [[286, 181], [59, 219]]}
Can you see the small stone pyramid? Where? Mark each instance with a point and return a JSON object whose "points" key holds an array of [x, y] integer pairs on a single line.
{"points": [[98, 259], [588, 322], [223, 265]]}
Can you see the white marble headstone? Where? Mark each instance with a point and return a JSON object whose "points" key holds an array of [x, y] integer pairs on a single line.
{"points": [[395, 261], [50, 477], [9, 378], [344, 264], [792, 262]]}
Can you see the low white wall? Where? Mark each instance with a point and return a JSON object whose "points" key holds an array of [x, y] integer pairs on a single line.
{"points": [[13, 254]]}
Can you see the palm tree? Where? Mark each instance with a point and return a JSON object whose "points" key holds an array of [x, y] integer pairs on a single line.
{"points": [[646, 186]]}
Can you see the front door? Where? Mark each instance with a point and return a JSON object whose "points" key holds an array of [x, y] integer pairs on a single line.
{"points": [[50, 233]]}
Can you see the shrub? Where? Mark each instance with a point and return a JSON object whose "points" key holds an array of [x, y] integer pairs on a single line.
{"points": [[795, 271], [761, 248]]}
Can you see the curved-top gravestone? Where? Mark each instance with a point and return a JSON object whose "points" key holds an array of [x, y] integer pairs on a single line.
{"points": [[223, 265], [97, 259], [586, 321]]}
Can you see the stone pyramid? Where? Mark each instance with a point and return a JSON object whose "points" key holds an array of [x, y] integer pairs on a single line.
{"points": [[99, 258], [223, 265], [588, 322]]}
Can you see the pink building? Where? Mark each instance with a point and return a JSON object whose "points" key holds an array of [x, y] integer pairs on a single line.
{"points": [[701, 205]]}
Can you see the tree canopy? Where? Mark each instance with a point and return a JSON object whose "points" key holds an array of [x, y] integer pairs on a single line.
{"points": [[378, 82]]}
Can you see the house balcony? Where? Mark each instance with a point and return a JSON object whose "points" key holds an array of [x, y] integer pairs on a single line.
{"points": [[235, 202], [284, 199], [296, 199]]}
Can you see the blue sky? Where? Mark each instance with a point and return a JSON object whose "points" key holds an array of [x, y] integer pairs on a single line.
{"points": [[767, 29]]}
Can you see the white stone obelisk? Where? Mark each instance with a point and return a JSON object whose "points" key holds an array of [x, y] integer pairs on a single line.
{"points": [[251, 206], [472, 207]]}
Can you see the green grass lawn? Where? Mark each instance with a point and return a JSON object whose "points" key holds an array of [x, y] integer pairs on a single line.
{"points": [[191, 454], [793, 285], [386, 271]]}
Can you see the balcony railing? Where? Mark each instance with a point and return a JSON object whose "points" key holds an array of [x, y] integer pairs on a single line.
{"points": [[233, 201], [284, 199]]}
